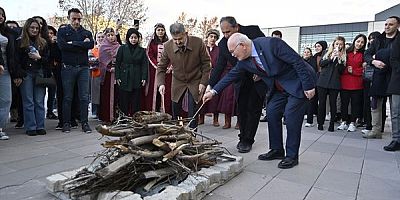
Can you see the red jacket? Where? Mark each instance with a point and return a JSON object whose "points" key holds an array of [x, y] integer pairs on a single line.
{"points": [[354, 80]]}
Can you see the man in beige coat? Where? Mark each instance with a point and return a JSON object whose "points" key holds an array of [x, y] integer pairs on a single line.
{"points": [[190, 72]]}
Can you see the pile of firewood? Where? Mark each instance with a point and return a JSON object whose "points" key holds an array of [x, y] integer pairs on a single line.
{"points": [[151, 151]]}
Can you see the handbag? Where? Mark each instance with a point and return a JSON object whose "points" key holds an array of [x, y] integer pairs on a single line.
{"points": [[368, 73], [45, 81]]}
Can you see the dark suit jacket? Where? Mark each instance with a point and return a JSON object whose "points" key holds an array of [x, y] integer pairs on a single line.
{"points": [[226, 57], [394, 87], [281, 63]]}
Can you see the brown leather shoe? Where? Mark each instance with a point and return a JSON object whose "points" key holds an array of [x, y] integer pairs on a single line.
{"points": [[215, 120], [227, 122]]}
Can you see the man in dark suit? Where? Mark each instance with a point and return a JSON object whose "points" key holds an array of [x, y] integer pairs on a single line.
{"points": [[291, 81], [249, 92]]}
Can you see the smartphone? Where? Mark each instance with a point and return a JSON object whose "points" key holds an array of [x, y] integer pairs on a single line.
{"points": [[136, 24]]}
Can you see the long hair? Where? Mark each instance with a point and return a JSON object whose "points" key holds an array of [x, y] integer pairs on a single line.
{"points": [[4, 29], [26, 39], [44, 30], [342, 59], [353, 46]]}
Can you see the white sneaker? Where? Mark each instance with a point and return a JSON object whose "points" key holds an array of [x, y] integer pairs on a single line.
{"points": [[328, 117], [352, 127], [343, 126], [3, 136], [308, 125], [365, 132]]}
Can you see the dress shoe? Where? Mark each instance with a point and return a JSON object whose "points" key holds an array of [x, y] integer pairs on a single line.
{"points": [[41, 132], [31, 133], [244, 148], [331, 127], [272, 155], [264, 119], [320, 127], [237, 127], [239, 144], [288, 162], [393, 146]]}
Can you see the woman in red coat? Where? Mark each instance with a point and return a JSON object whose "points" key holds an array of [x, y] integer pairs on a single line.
{"points": [[352, 84], [152, 99]]}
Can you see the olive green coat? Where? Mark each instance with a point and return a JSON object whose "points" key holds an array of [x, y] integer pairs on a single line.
{"points": [[131, 67]]}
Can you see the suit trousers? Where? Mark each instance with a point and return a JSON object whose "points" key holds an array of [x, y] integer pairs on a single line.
{"points": [[293, 109], [192, 108], [249, 107]]}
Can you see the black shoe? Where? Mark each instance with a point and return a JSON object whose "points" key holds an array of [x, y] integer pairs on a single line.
{"points": [[320, 127], [41, 132], [74, 125], [59, 126], [244, 148], [51, 115], [239, 144], [331, 127], [19, 125], [264, 119], [66, 128], [86, 128], [393, 146], [272, 155], [31, 133], [288, 162]]}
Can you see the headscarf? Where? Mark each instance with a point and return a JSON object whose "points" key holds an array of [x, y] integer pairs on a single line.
{"points": [[128, 35], [108, 50], [324, 46]]}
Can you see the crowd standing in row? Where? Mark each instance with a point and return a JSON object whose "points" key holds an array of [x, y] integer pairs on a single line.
{"points": [[240, 75]]}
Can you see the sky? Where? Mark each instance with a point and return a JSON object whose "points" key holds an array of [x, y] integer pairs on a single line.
{"points": [[255, 12]]}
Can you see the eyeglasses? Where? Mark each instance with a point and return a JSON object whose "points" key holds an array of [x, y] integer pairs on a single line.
{"points": [[235, 49]]}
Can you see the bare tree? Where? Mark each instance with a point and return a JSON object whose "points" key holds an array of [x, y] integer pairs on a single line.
{"points": [[207, 24], [100, 14], [189, 23]]}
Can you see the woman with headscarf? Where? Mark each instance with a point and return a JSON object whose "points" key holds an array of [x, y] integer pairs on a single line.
{"points": [[107, 56], [313, 102], [152, 99], [131, 72]]}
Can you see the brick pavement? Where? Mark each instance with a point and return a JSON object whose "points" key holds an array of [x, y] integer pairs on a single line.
{"points": [[338, 165]]}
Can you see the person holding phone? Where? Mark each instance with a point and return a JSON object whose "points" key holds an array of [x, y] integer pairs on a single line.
{"points": [[332, 65]]}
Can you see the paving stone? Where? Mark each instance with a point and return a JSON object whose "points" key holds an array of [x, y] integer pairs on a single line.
{"points": [[5, 170], [243, 186], [318, 194], [350, 151], [351, 142], [22, 191], [117, 195], [213, 196], [382, 156], [304, 174], [10, 156], [315, 158], [332, 139], [345, 183], [278, 189], [323, 147], [384, 170], [269, 168], [373, 188], [346, 163]]}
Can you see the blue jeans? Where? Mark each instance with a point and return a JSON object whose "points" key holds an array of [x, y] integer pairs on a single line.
{"points": [[5, 97], [70, 76], [395, 116], [33, 102]]}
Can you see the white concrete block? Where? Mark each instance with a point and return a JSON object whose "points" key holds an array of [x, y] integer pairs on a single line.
{"points": [[54, 182]]}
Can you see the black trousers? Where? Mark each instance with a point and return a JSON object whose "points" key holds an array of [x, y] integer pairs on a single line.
{"points": [[322, 95], [367, 106], [312, 108], [129, 99], [355, 97], [192, 108], [249, 107]]}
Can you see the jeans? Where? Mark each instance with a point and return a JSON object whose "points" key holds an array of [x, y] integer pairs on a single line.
{"points": [[72, 75], [5, 97], [395, 116], [33, 102]]}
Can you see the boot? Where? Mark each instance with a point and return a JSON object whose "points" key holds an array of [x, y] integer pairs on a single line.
{"points": [[227, 122], [201, 119], [215, 120]]}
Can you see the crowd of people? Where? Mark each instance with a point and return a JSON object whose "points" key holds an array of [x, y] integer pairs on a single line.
{"points": [[240, 75]]}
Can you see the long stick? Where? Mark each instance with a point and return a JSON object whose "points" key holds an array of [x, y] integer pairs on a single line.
{"points": [[194, 116]]}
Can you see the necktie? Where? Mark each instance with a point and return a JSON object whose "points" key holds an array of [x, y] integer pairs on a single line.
{"points": [[278, 86]]}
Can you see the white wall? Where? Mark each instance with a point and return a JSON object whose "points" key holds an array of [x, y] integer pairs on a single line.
{"points": [[291, 35]]}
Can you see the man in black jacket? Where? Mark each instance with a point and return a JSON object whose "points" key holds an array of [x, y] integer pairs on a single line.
{"points": [[249, 90], [394, 88], [74, 42]]}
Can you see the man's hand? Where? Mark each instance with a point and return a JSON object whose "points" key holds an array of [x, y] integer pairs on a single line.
{"points": [[161, 89], [310, 93], [378, 64], [208, 88], [1, 69], [207, 96], [17, 81], [201, 89]]}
